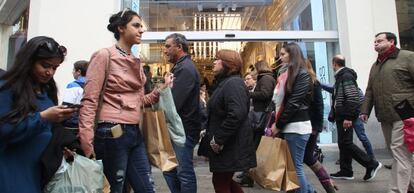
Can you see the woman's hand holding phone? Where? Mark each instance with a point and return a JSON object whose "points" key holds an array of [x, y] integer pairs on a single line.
{"points": [[57, 113], [70, 105]]}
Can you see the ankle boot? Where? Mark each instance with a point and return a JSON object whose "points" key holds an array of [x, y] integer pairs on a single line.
{"points": [[330, 186], [323, 176]]}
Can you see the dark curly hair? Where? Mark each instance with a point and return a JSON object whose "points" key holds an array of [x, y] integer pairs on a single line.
{"points": [[120, 19]]}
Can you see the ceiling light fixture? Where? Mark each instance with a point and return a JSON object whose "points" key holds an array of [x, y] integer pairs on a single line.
{"points": [[219, 7], [226, 10], [234, 7], [200, 7]]}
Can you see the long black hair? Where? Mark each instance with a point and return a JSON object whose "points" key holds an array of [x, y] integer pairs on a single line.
{"points": [[296, 62], [21, 81]]}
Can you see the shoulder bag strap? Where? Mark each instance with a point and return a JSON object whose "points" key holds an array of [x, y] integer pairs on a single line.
{"points": [[101, 94]]}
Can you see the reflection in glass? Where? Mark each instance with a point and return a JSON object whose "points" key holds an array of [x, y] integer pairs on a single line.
{"points": [[405, 14], [246, 15]]}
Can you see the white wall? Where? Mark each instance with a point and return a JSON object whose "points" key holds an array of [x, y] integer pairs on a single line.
{"points": [[5, 32], [358, 22], [78, 25]]}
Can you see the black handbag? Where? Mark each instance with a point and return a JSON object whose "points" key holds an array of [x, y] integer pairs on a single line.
{"points": [[204, 148], [259, 120], [404, 109]]}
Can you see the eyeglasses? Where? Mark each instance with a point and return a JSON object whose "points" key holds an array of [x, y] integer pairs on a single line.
{"points": [[61, 49]]}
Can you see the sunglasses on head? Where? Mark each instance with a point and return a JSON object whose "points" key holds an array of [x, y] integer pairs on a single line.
{"points": [[51, 48]]}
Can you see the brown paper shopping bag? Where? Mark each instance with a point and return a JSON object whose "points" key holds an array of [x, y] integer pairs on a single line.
{"points": [[290, 179], [159, 148], [270, 164], [106, 187]]}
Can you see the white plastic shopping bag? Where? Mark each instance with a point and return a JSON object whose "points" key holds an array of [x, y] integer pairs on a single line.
{"points": [[83, 175]]}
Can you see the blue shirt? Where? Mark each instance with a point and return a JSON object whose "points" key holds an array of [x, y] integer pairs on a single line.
{"points": [[21, 146]]}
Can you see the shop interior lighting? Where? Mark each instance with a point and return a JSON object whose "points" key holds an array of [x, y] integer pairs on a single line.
{"points": [[219, 7], [234, 7], [200, 7], [226, 10]]}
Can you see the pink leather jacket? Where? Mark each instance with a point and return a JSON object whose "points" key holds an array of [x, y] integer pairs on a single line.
{"points": [[123, 97]]}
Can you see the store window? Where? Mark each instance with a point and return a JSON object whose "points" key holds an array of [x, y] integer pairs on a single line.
{"points": [[18, 38], [254, 16], [405, 14], [244, 15]]}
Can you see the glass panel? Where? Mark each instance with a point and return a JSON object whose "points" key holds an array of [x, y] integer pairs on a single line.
{"points": [[319, 53], [405, 14], [18, 38], [248, 15]]}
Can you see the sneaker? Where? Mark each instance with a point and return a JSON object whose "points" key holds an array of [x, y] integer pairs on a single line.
{"points": [[371, 172], [342, 176]]}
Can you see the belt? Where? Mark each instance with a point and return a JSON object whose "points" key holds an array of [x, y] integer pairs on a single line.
{"points": [[115, 123]]}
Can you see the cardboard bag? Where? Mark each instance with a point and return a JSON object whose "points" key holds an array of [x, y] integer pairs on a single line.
{"points": [[290, 180], [275, 169], [159, 148], [270, 164]]}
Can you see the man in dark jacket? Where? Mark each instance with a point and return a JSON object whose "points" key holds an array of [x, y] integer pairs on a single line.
{"points": [[345, 108], [391, 80], [186, 94]]}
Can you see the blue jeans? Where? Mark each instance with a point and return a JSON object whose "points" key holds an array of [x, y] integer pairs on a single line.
{"points": [[183, 179], [124, 158], [358, 126], [297, 144]]}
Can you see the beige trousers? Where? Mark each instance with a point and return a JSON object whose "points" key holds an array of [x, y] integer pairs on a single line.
{"points": [[402, 173]]}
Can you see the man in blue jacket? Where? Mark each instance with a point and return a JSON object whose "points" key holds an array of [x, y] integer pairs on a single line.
{"points": [[73, 92], [186, 93]]}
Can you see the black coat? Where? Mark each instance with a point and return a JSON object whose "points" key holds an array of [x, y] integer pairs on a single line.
{"points": [[263, 92], [316, 108], [186, 94], [52, 156], [2, 72], [296, 104], [228, 108]]}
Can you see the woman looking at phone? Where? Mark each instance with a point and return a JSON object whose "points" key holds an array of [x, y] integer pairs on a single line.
{"points": [[117, 139], [28, 96]]}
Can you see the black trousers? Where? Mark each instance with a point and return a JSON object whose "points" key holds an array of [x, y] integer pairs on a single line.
{"points": [[348, 150]]}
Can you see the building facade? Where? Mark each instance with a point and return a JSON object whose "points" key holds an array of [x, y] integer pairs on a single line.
{"points": [[256, 28]]}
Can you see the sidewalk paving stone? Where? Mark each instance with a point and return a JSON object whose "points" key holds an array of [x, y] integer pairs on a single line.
{"points": [[378, 185]]}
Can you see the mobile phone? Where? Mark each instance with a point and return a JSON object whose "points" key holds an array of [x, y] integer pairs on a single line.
{"points": [[70, 105], [117, 131]]}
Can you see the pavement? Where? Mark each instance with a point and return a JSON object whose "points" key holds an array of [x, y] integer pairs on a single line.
{"points": [[378, 185]]}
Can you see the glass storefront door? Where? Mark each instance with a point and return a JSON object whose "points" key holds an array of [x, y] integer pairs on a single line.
{"points": [[255, 28], [319, 53]]}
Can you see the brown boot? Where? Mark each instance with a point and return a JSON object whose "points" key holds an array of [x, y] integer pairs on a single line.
{"points": [[330, 186]]}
